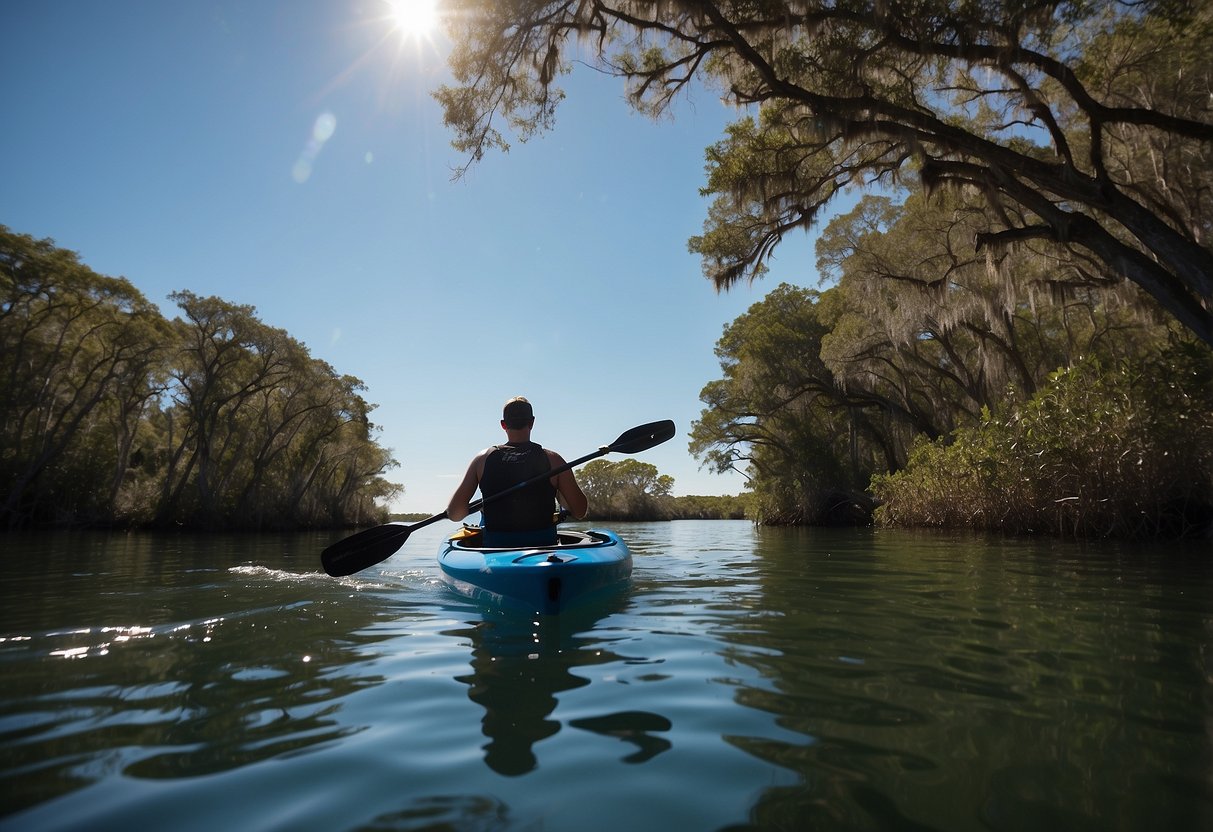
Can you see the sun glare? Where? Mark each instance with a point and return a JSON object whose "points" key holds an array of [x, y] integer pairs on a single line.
{"points": [[414, 18]]}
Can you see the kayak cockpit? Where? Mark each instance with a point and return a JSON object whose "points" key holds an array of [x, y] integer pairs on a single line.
{"points": [[469, 537]]}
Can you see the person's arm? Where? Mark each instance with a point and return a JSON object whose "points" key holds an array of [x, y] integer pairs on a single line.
{"points": [[457, 508], [568, 492]]}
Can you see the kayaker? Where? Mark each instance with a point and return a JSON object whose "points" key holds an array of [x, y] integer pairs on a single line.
{"points": [[525, 517]]}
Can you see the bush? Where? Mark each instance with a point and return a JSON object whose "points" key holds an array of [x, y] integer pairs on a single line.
{"points": [[695, 507], [1121, 452]]}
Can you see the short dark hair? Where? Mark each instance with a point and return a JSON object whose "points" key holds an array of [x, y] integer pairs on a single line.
{"points": [[517, 413]]}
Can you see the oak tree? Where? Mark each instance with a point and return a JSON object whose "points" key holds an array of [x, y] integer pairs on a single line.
{"points": [[1082, 124]]}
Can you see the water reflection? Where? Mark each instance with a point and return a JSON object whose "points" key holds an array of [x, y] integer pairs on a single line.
{"points": [[222, 666], [634, 727], [924, 685], [445, 812], [759, 680], [520, 664]]}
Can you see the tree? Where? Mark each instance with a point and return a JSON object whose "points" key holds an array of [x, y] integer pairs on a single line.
{"points": [[261, 433], [337, 466], [626, 490], [918, 337], [225, 358], [806, 442], [1065, 115], [111, 414], [76, 347], [697, 507], [922, 319]]}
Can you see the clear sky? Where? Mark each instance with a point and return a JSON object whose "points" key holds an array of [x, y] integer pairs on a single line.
{"points": [[287, 154]]}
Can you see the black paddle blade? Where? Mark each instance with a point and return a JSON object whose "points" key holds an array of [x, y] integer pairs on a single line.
{"points": [[643, 437], [364, 549]]}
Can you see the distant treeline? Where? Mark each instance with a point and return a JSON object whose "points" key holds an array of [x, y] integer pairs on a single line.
{"points": [[111, 414], [668, 508], [695, 507], [634, 490]]}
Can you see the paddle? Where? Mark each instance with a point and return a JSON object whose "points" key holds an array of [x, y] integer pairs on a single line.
{"points": [[369, 547]]}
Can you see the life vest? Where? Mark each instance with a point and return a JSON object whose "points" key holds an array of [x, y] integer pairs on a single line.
{"points": [[527, 509]]}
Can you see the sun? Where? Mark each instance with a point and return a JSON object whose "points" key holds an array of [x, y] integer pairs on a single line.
{"points": [[414, 18]]}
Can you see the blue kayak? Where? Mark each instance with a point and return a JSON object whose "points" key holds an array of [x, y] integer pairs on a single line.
{"points": [[545, 579]]}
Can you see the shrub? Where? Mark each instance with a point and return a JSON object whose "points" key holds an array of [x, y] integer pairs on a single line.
{"points": [[1125, 451]]}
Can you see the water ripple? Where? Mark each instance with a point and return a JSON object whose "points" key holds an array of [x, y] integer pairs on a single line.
{"points": [[754, 679]]}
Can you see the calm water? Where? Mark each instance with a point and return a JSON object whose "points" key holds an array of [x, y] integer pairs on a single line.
{"points": [[766, 679]]}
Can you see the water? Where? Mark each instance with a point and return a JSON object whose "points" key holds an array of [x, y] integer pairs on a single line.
{"points": [[773, 679]]}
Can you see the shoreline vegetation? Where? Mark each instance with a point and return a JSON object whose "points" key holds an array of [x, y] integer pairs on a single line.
{"points": [[115, 417], [1014, 325], [1014, 334], [711, 507]]}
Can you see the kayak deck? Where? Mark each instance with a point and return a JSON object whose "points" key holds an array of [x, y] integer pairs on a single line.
{"points": [[543, 579]]}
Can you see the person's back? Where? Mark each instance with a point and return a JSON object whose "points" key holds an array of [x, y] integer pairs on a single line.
{"points": [[523, 517]]}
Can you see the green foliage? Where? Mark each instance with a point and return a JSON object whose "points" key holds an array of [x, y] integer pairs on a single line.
{"points": [[626, 490], [1099, 451], [1055, 159], [780, 415], [80, 357], [920, 335], [634, 490], [694, 507], [1065, 118], [113, 415]]}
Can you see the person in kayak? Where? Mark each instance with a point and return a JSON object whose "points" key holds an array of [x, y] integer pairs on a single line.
{"points": [[524, 517]]}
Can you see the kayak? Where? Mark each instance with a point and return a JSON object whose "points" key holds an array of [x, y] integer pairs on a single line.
{"points": [[545, 579]]}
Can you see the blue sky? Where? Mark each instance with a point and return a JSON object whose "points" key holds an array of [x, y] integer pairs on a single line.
{"points": [[287, 154]]}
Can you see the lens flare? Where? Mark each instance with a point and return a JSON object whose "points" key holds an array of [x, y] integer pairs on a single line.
{"points": [[322, 131]]}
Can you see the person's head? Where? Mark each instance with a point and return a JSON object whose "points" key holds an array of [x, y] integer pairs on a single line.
{"points": [[517, 414]]}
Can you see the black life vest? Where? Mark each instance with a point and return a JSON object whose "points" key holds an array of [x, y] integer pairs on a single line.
{"points": [[526, 509]]}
